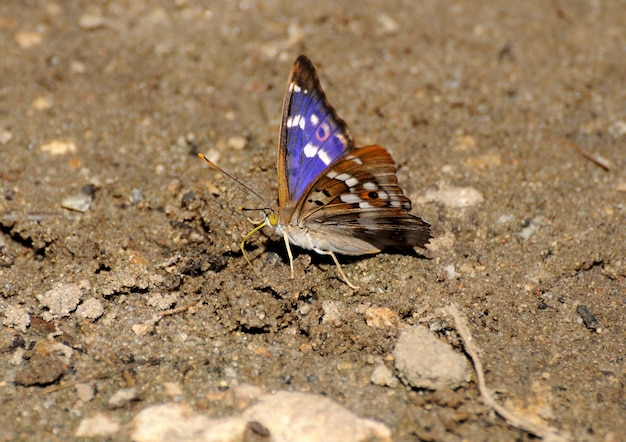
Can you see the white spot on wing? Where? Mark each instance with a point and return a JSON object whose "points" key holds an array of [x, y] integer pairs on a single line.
{"points": [[324, 157], [331, 174], [296, 120], [351, 182], [370, 186], [348, 179], [295, 87], [314, 119], [350, 198], [357, 160], [310, 150], [341, 138]]}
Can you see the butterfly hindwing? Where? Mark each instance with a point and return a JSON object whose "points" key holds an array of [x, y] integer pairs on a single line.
{"points": [[359, 197], [312, 136]]}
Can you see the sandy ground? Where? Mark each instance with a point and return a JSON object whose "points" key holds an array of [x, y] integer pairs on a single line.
{"points": [[508, 124]]}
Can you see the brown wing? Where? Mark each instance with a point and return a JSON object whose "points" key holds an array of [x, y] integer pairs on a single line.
{"points": [[358, 196]]}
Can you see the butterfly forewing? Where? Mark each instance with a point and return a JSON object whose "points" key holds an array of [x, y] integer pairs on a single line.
{"points": [[312, 136]]}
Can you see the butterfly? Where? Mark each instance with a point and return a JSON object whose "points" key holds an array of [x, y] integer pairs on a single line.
{"points": [[334, 197]]}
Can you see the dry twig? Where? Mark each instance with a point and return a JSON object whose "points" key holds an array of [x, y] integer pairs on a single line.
{"points": [[516, 420]]}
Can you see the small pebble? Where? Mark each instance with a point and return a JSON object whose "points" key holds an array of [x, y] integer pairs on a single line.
{"points": [[5, 136], [122, 397], [16, 317], [42, 103], [84, 392], [331, 312], [27, 40], [618, 128], [58, 147], [381, 317], [78, 67], [588, 318], [172, 389], [142, 329], [451, 271], [136, 195], [258, 429], [98, 426], [423, 361], [237, 143], [90, 309], [78, 203], [40, 369], [388, 25], [163, 301], [61, 300], [91, 20], [531, 227], [384, 377]]}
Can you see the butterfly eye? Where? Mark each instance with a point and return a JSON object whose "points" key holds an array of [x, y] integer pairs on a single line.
{"points": [[322, 132], [272, 219]]}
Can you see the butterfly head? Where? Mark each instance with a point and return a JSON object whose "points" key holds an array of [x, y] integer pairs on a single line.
{"points": [[271, 219]]}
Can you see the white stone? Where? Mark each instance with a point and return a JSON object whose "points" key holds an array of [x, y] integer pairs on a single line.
{"points": [[423, 361]]}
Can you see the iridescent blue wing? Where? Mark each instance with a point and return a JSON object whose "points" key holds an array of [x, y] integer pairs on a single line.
{"points": [[312, 136]]}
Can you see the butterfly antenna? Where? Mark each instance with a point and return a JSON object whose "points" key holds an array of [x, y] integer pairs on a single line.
{"points": [[219, 169]]}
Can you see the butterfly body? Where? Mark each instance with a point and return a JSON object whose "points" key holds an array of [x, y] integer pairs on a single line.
{"points": [[335, 197]]}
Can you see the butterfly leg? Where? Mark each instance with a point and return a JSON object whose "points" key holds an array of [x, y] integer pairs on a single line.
{"points": [[246, 238], [251, 221], [343, 275], [289, 253]]}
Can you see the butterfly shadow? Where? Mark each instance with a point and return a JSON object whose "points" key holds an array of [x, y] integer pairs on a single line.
{"points": [[273, 255], [405, 251], [276, 256]]}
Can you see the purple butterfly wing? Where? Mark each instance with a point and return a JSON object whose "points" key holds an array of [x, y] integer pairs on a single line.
{"points": [[312, 136]]}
